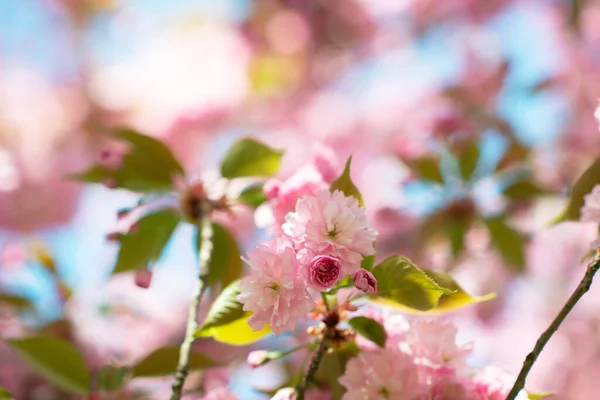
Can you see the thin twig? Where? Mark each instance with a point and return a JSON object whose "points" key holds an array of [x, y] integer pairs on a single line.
{"points": [[582, 288], [313, 367], [204, 253]]}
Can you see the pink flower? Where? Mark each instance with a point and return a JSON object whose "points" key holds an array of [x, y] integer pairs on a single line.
{"points": [[446, 384], [494, 384], [590, 212], [275, 290], [321, 271], [365, 281], [283, 195], [332, 224], [381, 374], [433, 344]]}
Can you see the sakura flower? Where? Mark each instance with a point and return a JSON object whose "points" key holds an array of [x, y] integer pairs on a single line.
{"points": [[590, 212], [446, 384], [380, 375], [321, 272], [433, 344], [494, 384], [365, 281], [332, 224], [275, 290]]}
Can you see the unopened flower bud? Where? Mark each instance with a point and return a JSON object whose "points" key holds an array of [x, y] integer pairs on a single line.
{"points": [[365, 281], [114, 236], [110, 159], [258, 358], [110, 183], [143, 278], [323, 272]]}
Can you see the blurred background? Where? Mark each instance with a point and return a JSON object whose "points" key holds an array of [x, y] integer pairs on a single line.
{"points": [[468, 122]]}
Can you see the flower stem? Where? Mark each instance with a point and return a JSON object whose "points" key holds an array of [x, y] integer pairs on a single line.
{"points": [[313, 367], [324, 297], [204, 253], [581, 289]]}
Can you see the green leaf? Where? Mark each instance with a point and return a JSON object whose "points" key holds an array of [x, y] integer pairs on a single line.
{"points": [[403, 284], [253, 195], [333, 365], [583, 186], [468, 160], [163, 361], [538, 396], [225, 264], [428, 169], [456, 231], [370, 329], [225, 309], [509, 242], [146, 244], [344, 183], [15, 301], [54, 359], [112, 378], [523, 190], [367, 263], [5, 394], [236, 333], [457, 297], [147, 166], [249, 157]]}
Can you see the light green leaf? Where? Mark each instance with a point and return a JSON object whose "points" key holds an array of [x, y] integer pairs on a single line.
{"points": [[457, 297], [146, 244], [538, 396], [225, 264], [249, 157], [147, 166], [253, 195], [509, 242], [345, 185], [163, 361], [403, 284], [112, 378], [370, 329], [54, 359], [225, 309], [236, 333], [5, 394], [583, 186]]}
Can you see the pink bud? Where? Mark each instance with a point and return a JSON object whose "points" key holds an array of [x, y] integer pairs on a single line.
{"points": [[143, 278], [110, 183], [258, 358], [365, 281], [287, 393], [114, 236], [323, 272], [271, 188], [110, 159]]}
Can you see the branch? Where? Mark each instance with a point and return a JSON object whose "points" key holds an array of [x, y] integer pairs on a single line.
{"points": [[206, 233], [582, 288], [314, 366]]}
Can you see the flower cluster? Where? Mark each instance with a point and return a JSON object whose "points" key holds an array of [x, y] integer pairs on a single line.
{"points": [[323, 241], [421, 361]]}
